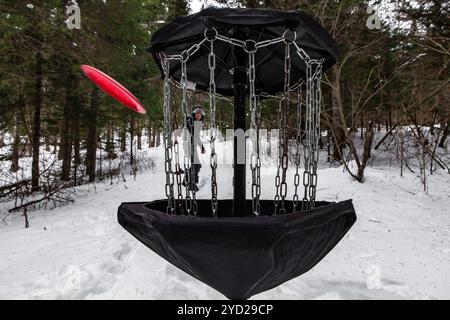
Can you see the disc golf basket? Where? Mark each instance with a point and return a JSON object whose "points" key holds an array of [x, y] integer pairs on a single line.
{"points": [[243, 247]]}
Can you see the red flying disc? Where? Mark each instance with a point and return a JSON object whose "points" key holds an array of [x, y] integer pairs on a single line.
{"points": [[113, 88]]}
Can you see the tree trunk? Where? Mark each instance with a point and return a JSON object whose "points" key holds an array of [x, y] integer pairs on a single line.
{"points": [[368, 140], [16, 144], [132, 125], [329, 145], [154, 137], [55, 144], [61, 138], [76, 127], [110, 146], [91, 144], [445, 135], [66, 133], [47, 143], [123, 137], [362, 126], [36, 135], [158, 138], [389, 120], [402, 157], [150, 136], [337, 114], [139, 136]]}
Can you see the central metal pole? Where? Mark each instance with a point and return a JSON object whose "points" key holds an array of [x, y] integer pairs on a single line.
{"points": [[239, 149]]}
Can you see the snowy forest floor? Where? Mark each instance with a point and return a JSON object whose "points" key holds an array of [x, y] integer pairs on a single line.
{"points": [[399, 247]]}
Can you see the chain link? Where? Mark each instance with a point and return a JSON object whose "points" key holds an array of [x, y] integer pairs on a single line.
{"points": [[269, 42], [186, 54], [302, 54], [232, 41]]}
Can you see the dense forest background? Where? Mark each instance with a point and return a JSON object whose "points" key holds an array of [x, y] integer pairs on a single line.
{"points": [[386, 79]]}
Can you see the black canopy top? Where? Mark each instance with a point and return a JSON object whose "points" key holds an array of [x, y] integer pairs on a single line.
{"points": [[243, 24]]}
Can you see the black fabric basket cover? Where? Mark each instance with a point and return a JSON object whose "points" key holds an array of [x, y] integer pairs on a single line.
{"points": [[258, 25], [240, 256]]}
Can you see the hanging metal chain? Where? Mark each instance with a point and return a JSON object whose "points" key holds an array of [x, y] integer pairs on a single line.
{"points": [[187, 163], [298, 141], [258, 162], [312, 131], [167, 137], [308, 138], [279, 160], [192, 171], [285, 113], [283, 110], [315, 135], [255, 162], [188, 137], [176, 145], [179, 201], [213, 126], [188, 146]]}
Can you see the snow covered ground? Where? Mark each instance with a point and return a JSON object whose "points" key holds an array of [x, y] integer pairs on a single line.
{"points": [[398, 249]]}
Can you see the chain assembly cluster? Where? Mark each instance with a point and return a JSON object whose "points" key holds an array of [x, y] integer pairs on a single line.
{"points": [[307, 126], [283, 139], [312, 132]]}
